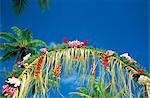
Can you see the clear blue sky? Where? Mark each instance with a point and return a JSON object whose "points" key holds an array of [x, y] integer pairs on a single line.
{"points": [[120, 25]]}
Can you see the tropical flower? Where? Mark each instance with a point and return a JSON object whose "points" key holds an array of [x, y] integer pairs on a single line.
{"points": [[76, 43], [43, 50], [13, 80], [105, 56], [8, 91], [143, 79], [26, 57], [38, 66], [20, 63], [104, 60], [140, 71], [128, 58], [109, 52], [56, 71]]}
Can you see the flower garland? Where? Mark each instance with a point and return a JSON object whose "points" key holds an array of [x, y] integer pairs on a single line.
{"points": [[38, 66], [75, 43], [10, 86]]}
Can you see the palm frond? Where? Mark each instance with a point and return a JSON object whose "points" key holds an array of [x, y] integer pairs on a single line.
{"points": [[7, 36], [9, 54], [17, 31], [18, 6], [43, 3], [26, 35], [82, 95], [6, 46], [36, 43]]}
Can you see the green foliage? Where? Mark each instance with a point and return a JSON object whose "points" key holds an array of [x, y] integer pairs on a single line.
{"points": [[18, 44], [19, 5]]}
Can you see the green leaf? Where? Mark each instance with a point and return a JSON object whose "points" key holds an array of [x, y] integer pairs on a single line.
{"points": [[26, 35], [83, 90], [8, 55], [6, 46], [7, 36], [43, 3], [18, 6], [80, 94], [36, 43], [17, 31]]}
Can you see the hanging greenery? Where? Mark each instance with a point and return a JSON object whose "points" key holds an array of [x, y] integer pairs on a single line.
{"points": [[106, 73]]}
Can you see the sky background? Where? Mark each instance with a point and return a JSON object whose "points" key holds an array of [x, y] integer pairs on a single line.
{"points": [[120, 25]]}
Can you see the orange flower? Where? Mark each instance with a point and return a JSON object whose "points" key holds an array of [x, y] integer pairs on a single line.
{"points": [[56, 71], [38, 66], [140, 71], [105, 60]]}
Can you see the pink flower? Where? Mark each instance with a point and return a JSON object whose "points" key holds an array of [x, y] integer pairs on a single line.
{"points": [[20, 62], [76, 43], [43, 50]]}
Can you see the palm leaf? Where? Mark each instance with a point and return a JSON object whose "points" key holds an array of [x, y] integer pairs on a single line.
{"points": [[36, 43], [26, 34], [7, 36], [83, 90], [80, 94], [43, 3], [18, 6], [6, 46], [9, 54], [17, 31]]}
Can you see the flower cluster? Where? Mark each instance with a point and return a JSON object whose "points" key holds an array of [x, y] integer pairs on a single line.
{"points": [[105, 56], [126, 55], [76, 43], [38, 66], [43, 50], [56, 71], [143, 79], [20, 63], [11, 86], [8, 90], [140, 71]]}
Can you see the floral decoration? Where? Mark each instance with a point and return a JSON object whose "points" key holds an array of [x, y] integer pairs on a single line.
{"points": [[76, 43], [126, 55], [56, 70], [38, 66]]}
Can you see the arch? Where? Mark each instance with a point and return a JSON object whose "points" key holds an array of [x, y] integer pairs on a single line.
{"points": [[42, 71]]}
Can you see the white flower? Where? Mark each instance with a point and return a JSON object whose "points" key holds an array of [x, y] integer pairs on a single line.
{"points": [[109, 52], [143, 79], [14, 81], [26, 57], [128, 57]]}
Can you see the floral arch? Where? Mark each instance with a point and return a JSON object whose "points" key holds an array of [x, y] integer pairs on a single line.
{"points": [[43, 71]]}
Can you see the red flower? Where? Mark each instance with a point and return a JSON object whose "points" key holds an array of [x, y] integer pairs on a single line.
{"points": [[85, 42], [56, 71], [65, 40], [13, 76], [38, 66], [140, 71], [104, 60]]}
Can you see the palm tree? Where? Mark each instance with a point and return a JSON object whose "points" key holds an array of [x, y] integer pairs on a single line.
{"points": [[19, 5], [18, 44]]}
